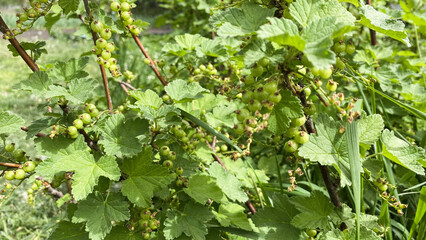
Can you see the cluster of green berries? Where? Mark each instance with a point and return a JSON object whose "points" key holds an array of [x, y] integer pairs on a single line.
{"points": [[258, 98], [168, 156], [28, 17], [35, 186], [123, 10], [82, 119], [382, 185], [129, 75], [190, 139], [296, 137], [19, 173], [148, 223], [103, 49], [208, 70], [18, 154], [260, 67]]}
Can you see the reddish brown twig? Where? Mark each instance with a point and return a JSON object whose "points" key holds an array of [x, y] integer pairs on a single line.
{"points": [[251, 207], [12, 165], [24, 128], [104, 77], [56, 193], [153, 66], [24, 55], [128, 85], [124, 88]]}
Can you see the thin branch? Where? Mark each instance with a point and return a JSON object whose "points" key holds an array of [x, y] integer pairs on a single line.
{"points": [[91, 143], [104, 77], [251, 207], [153, 66], [127, 85], [24, 128], [373, 37], [24, 55], [124, 88], [56, 193], [12, 165]]}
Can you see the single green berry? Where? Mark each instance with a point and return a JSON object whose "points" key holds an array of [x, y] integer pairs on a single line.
{"points": [[153, 224], [9, 175], [308, 92], [302, 137], [30, 191], [179, 171], [110, 47], [292, 132], [331, 85], [168, 164], [125, 15], [242, 114], [311, 232], [291, 146], [9, 147], [325, 73], [115, 6], [275, 98], [72, 130], [310, 109], [94, 112], [78, 123], [106, 34], [264, 62], [101, 43], [315, 71], [7, 185], [270, 87], [86, 118], [18, 153], [339, 47], [350, 49], [171, 156], [340, 64], [164, 151], [224, 148], [247, 96], [106, 54], [125, 6], [239, 128], [254, 105], [19, 174], [297, 122], [97, 26], [257, 71]]}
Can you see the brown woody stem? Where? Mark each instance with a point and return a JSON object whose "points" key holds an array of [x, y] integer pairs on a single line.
{"points": [[103, 73], [12, 165], [24, 55], [24, 128], [153, 66]]}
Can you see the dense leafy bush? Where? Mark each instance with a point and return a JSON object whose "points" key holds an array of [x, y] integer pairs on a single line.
{"points": [[265, 120]]}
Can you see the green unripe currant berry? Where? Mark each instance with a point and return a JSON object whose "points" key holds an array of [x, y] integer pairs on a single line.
{"points": [[125, 6], [101, 43], [23, 17], [257, 71], [86, 118], [251, 122], [115, 6], [9, 147], [254, 105], [310, 109], [315, 71], [19, 174], [275, 98], [95, 112], [30, 191], [325, 73], [308, 92], [331, 85], [297, 122], [78, 123], [153, 224], [164, 151], [146, 61], [203, 68], [110, 47], [291, 132], [249, 80], [73, 136], [171, 156], [125, 15], [145, 215], [339, 47], [224, 148], [135, 30], [291, 146], [72, 130], [302, 137], [32, 13], [179, 171], [97, 26], [162, 63], [146, 235], [318, 83], [340, 64], [179, 183], [106, 34], [34, 186], [270, 87], [168, 164], [239, 128], [311, 232], [9, 175], [18, 153], [144, 223], [383, 187], [106, 54], [165, 98], [264, 62], [100, 60], [7, 185], [242, 114], [350, 49], [247, 96], [261, 94], [89, 107]]}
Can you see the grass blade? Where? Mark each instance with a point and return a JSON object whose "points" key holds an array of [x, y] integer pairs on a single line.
{"points": [[355, 164], [420, 212]]}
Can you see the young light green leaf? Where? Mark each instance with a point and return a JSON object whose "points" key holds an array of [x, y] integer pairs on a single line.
{"points": [[241, 21], [221, 115], [180, 91], [73, 155], [202, 188], [69, 231], [143, 178], [328, 147], [382, 23], [174, 49], [232, 213], [278, 218], [191, 222], [211, 48], [288, 108], [66, 71], [189, 41], [229, 184], [147, 98], [403, 153], [123, 137], [79, 90], [10, 123], [38, 83], [370, 128], [282, 31], [314, 211], [244, 173], [305, 11], [99, 211]]}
